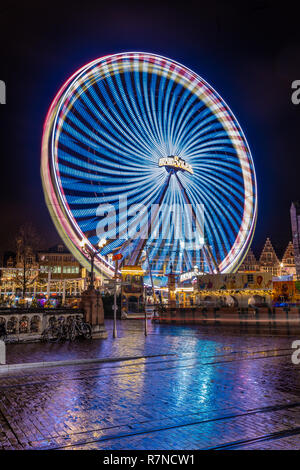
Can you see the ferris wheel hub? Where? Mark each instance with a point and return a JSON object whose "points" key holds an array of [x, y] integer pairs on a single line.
{"points": [[175, 163]]}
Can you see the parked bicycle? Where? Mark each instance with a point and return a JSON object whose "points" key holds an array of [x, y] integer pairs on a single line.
{"points": [[53, 333], [78, 327], [67, 330]]}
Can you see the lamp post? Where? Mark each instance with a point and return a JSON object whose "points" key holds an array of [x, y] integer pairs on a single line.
{"points": [[50, 271], [92, 254], [115, 334], [116, 258], [281, 266], [48, 283]]}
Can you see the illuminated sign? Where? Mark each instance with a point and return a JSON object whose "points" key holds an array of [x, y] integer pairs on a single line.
{"points": [[117, 257], [189, 275], [134, 270], [175, 162]]}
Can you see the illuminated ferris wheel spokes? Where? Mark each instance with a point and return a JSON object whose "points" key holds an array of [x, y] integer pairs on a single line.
{"points": [[153, 225], [146, 129]]}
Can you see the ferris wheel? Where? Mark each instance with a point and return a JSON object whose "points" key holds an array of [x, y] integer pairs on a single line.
{"points": [[140, 150]]}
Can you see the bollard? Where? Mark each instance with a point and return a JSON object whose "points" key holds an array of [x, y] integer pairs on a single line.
{"points": [[2, 352]]}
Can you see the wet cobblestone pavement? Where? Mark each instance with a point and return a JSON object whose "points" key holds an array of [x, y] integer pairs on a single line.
{"points": [[192, 388]]}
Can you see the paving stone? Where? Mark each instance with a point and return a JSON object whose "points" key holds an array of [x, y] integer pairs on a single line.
{"points": [[208, 388]]}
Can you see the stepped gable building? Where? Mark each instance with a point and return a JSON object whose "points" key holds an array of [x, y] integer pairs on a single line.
{"points": [[250, 263], [288, 261], [295, 221], [268, 260]]}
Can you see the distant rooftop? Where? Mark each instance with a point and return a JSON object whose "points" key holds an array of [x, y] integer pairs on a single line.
{"points": [[59, 248]]}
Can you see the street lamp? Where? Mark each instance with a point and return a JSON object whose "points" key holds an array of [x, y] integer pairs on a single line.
{"points": [[92, 252], [281, 266], [116, 257]]}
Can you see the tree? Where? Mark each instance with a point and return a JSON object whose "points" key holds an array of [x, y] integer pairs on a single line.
{"points": [[28, 242]]}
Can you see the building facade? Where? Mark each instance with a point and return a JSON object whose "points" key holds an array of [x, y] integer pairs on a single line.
{"points": [[270, 262], [60, 273], [60, 263], [287, 265], [49, 273], [250, 263], [18, 274]]}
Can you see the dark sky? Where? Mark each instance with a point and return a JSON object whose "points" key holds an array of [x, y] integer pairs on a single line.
{"points": [[248, 51]]}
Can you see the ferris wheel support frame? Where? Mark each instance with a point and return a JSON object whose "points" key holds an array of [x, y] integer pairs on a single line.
{"points": [[141, 245], [206, 250], [137, 252]]}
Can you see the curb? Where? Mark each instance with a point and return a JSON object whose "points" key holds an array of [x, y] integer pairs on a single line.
{"points": [[35, 365]]}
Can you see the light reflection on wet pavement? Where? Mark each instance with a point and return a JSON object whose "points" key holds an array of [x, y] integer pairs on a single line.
{"points": [[204, 389]]}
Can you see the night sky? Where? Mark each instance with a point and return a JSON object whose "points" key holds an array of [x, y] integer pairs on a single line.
{"points": [[249, 52]]}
